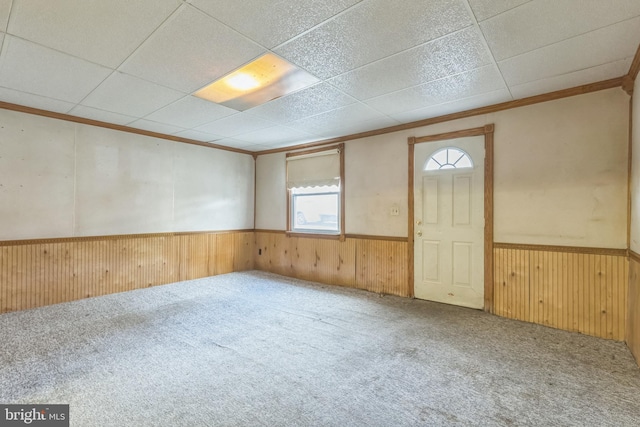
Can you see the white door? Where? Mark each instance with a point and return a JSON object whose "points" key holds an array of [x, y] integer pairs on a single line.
{"points": [[449, 221]]}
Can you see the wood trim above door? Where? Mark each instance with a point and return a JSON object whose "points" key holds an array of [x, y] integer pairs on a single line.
{"points": [[451, 135], [487, 131]]}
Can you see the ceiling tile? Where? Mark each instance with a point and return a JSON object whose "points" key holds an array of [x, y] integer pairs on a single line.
{"points": [[387, 62], [34, 101], [155, 127], [340, 117], [477, 101], [540, 23], [198, 136], [5, 8], [475, 82], [286, 18], [131, 96], [359, 127], [31, 68], [452, 54], [234, 125], [484, 9], [373, 30], [190, 112], [80, 28], [276, 135], [101, 115], [304, 103], [243, 145], [189, 51], [275, 145], [598, 47], [576, 78]]}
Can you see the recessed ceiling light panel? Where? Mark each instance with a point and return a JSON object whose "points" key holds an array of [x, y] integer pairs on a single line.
{"points": [[267, 78]]}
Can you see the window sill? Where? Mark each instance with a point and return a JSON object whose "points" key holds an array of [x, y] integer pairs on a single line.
{"points": [[315, 235]]}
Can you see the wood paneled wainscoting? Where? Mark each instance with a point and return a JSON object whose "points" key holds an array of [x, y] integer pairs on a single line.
{"points": [[376, 264], [633, 306], [42, 272], [576, 289]]}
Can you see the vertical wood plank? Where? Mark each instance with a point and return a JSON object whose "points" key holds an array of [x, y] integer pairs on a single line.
{"points": [[243, 251], [222, 258], [632, 330], [50, 272], [380, 266], [581, 292]]}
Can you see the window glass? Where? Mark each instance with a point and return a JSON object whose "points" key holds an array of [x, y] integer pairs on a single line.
{"points": [[316, 209], [449, 158]]}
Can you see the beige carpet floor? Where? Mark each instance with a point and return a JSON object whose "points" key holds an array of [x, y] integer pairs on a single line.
{"points": [[256, 349]]}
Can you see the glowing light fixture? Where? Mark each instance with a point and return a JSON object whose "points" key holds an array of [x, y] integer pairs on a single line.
{"points": [[243, 82], [267, 78]]}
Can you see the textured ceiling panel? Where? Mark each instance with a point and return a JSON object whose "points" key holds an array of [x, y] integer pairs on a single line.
{"points": [[78, 27], [569, 56], [540, 23], [190, 112], [304, 103], [131, 96], [371, 31], [449, 55], [198, 136], [338, 118], [156, 127], [230, 142], [358, 127], [485, 9], [5, 8], [576, 78], [35, 69], [380, 62], [189, 51], [235, 125], [475, 82], [101, 115], [285, 19], [35, 101], [275, 135], [463, 104]]}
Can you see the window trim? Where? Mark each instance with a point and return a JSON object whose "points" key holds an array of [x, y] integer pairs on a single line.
{"points": [[313, 233]]}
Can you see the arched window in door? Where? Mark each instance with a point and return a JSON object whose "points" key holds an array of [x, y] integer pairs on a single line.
{"points": [[448, 158]]}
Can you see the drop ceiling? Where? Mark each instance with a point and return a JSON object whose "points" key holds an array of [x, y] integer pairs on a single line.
{"points": [[380, 63]]}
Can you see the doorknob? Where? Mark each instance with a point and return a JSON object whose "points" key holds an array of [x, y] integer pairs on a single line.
{"points": [[418, 222], [419, 233]]}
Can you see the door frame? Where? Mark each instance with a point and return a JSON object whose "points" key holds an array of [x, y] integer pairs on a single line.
{"points": [[487, 131]]}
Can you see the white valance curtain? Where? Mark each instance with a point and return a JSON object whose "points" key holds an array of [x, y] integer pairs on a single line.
{"points": [[313, 170]]}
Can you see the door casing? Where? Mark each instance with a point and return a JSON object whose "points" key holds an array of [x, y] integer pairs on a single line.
{"points": [[488, 132]]}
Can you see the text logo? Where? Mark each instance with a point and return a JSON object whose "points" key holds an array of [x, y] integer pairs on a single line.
{"points": [[34, 415]]}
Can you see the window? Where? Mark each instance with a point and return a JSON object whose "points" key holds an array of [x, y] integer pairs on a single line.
{"points": [[449, 158], [315, 192]]}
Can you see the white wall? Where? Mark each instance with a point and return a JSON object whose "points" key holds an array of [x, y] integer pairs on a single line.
{"points": [[560, 174], [62, 179], [271, 192], [375, 181], [635, 174]]}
